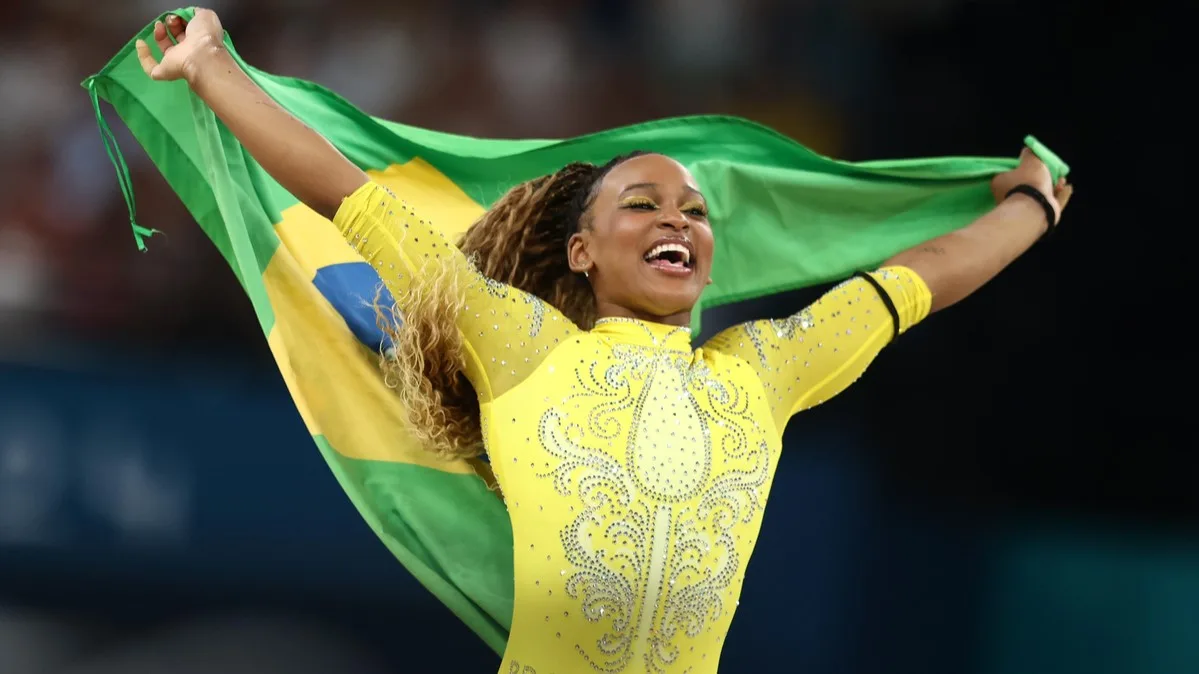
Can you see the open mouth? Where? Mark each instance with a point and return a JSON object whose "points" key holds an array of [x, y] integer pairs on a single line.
{"points": [[670, 257]]}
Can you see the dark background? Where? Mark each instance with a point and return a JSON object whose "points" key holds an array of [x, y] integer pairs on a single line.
{"points": [[1009, 489]]}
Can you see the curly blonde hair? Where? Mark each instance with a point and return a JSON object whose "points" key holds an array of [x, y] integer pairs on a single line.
{"points": [[521, 241]]}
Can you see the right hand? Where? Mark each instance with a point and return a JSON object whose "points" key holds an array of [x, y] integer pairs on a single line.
{"points": [[195, 40]]}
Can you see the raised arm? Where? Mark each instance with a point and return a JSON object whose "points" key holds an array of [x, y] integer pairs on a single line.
{"points": [[956, 264], [299, 158], [812, 356], [806, 359], [507, 332]]}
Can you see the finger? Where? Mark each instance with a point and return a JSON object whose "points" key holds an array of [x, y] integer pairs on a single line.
{"points": [[145, 57], [160, 36], [1063, 195], [176, 26], [1029, 158]]}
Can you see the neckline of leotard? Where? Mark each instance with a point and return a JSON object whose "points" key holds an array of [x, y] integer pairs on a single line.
{"points": [[676, 337]]}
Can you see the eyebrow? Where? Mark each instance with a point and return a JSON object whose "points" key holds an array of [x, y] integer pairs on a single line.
{"points": [[636, 186]]}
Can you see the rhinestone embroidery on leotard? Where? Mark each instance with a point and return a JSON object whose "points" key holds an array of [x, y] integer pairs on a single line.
{"points": [[652, 545]]}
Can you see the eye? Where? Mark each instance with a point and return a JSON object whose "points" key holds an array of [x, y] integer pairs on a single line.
{"points": [[639, 203], [697, 210]]}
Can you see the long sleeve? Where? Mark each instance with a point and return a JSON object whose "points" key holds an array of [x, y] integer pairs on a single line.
{"points": [[805, 359], [507, 332]]}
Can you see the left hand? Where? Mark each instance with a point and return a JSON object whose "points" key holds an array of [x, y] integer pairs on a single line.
{"points": [[1032, 171]]}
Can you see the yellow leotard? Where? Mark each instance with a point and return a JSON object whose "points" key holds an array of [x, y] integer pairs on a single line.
{"points": [[635, 468]]}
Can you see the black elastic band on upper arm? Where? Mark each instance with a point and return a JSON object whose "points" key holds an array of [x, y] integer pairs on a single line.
{"points": [[886, 300]]}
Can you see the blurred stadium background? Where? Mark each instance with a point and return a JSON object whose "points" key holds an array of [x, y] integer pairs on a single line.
{"points": [[1002, 494]]}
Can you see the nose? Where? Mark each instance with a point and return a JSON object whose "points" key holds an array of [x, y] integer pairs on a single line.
{"points": [[674, 220]]}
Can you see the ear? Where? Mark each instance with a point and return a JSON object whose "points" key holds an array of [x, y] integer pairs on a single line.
{"points": [[577, 255]]}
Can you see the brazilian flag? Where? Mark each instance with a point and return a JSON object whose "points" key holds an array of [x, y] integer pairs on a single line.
{"points": [[783, 216]]}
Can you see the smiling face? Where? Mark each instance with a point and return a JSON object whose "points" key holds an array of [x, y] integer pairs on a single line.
{"points": [[645, 241]]}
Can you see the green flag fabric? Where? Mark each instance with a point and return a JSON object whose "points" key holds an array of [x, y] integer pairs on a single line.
{"points": [[783, 216]]}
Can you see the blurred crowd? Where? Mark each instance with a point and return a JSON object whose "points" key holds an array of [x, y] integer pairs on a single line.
{"points": [[69, 269]]}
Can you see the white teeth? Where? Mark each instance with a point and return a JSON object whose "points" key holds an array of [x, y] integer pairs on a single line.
{"points": [[658, 250]]}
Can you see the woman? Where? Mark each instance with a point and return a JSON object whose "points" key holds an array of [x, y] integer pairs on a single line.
{"points": [[635, 468]]}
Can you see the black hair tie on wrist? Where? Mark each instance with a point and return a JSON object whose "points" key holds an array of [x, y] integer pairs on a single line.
{"points": [[1037, 196]]}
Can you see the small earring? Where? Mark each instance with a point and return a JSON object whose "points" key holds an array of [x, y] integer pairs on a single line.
{"points": [[586, 275]]}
